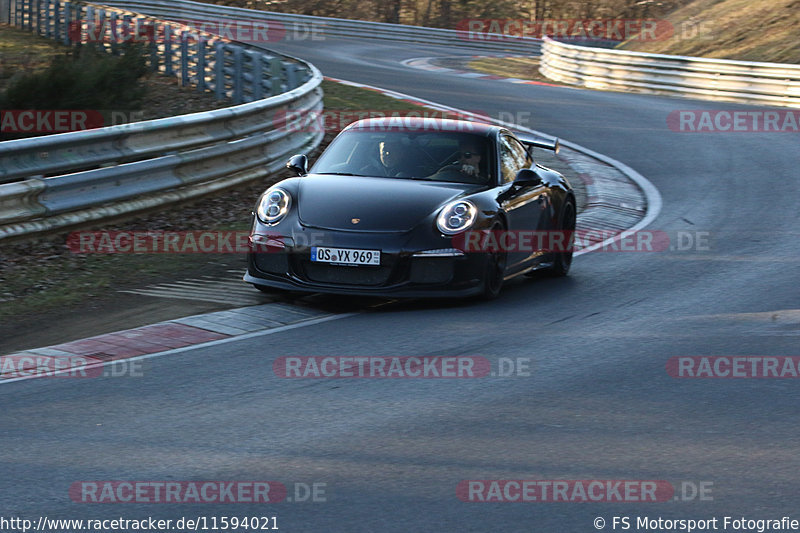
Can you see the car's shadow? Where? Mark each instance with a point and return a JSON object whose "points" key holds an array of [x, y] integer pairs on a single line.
{"points": [[514, 291]]}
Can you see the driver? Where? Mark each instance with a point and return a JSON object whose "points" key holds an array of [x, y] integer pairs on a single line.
{"points": [[390, 157]]}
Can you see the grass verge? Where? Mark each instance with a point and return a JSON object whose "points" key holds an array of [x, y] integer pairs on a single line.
{"points": [[524, 68]]}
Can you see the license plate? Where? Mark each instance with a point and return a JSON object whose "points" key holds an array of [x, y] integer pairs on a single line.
{"points": [[345, 256]]}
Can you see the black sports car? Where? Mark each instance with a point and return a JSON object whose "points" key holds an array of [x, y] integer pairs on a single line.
{"points": [[389, 205]]}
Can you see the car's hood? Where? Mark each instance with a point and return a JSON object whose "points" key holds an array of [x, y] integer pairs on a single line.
{"points": [[370, 204]]}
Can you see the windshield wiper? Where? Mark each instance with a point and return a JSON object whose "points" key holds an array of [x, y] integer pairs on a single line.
{"points": [[342, 174]]}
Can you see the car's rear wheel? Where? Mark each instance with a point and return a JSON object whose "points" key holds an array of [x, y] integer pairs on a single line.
{"points": [[562, 261], [495, 270]]}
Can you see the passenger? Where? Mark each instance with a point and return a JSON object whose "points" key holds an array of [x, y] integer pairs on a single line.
{"points": [[469, 159], [468, 164]]}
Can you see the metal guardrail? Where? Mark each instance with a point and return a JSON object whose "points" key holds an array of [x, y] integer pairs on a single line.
{"points": [[207, 61], [703, 78], [59, 180], [334, 27]]}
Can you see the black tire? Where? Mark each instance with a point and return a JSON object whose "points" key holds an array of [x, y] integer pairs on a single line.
{"points": [[562, 261], [495, 270]]}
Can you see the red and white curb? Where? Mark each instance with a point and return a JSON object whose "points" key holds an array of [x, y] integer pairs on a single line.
{"points": [[76, 358], [428, 64]]}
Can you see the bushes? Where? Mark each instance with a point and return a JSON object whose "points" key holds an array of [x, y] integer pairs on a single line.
{"points": [[83, 79]]}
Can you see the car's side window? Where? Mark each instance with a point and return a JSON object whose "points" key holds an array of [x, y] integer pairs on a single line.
{"points": [[513, 157]]}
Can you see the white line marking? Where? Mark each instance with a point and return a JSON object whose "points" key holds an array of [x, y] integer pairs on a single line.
{"points": [[280, 329], [210, 288], [187, 296]]}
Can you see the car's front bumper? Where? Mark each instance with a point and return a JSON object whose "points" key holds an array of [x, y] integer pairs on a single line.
{"points": [[405, 269]]}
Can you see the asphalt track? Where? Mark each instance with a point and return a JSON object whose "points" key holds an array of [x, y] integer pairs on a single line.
{"points": [[598, 403]]}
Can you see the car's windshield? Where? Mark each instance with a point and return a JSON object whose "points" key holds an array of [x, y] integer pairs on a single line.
{"points": [[437, 156]]}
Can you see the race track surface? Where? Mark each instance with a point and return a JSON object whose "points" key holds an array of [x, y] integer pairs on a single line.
{"points": [[598, 402]]}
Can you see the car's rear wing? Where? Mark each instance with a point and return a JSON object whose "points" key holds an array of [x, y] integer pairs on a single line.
{"points": [[550, 143]]}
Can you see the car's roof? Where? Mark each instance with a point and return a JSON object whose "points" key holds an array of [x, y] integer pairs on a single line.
{"points": [[407, 123]]}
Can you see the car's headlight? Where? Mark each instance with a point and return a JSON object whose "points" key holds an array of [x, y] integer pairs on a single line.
{"points": [[273, 206], [456, 217]]}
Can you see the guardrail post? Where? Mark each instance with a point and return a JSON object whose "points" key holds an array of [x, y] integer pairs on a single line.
{"points": [[51, 13], [113, 32], [38, 8], [238, 75], [219, 70], [48, 18], [258, 74], [169, 68], [140, 33], [276, 72], [5, 11], [184, 58], [58, 6], [201, 63], [91, 26], [126, 31], [153, 45], [45, 27], [68, 26], [291, 77], [64, 20], [53, 16], [17, 13], [100, 30]]}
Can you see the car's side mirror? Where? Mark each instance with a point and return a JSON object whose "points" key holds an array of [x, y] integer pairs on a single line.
{"points": [[527, 177], [298, 164]]}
